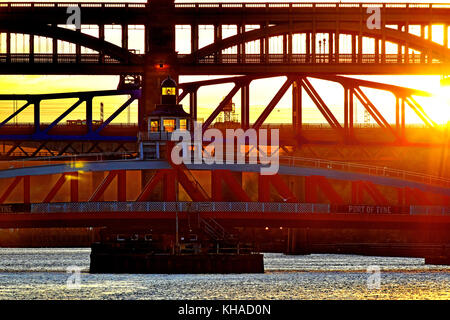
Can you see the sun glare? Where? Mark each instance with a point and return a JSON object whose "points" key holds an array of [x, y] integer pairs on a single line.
{"points": [[441, 103]]}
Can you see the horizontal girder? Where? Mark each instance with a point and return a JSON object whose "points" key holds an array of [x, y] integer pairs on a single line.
{"points": [[283, 170], [226, 13], [279, 19]]}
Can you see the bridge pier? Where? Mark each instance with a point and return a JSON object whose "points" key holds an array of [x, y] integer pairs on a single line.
{"points": [[298, 241], [439, 259]]}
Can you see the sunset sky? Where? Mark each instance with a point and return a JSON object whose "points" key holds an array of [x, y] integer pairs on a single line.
{"points": [[261, 91]]}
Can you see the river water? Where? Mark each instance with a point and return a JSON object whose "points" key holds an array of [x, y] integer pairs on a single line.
{"points": [[42, 274]]}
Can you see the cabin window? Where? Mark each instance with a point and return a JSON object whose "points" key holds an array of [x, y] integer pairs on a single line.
{"points": [[154, 126], [169, 125], [183, 124]]}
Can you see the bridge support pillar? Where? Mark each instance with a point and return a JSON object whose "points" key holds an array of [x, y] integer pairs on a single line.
{"points": [[298, 241], [160, 58], [245, 106], [155, 72], [297, 105]]}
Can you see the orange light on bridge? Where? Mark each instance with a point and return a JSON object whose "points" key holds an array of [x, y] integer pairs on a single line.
{"points": [[161, 66], [77, 164]]}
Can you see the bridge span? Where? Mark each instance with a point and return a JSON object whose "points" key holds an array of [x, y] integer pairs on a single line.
{"points": [[333, 38], [160, 216]]}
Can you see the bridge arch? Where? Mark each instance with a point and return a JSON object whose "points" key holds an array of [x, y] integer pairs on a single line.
{"points": [[76, 37], [392, 35]]}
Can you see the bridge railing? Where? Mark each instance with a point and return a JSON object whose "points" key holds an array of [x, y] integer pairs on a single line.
{"points": [[366, 169], [261, 5], [249, 58], [71, 4], [255, 207], [247, 207], [290, 5], [355, 168], [430, 210], [302, 58], [89, 58]]}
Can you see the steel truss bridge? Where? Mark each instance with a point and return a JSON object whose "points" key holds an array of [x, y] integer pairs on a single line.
{"points": [[415, 54], [299, 41], [418, 197], [314, 40], [58, 138]]}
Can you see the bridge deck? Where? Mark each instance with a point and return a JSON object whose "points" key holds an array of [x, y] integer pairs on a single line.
{"points": [[288, 167], [162, 215]]}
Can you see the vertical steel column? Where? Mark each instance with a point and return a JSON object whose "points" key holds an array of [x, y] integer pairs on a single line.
{"points": [[422, 35], [346, 108], [403, 135], [377, 50], [101, 36], [330, 47], [446, 35], [78, 50], [308, 47], [55, 49], [170, 180], [37, 116], [336, 43], [360, 47], [397, 113], [193, 104], [242, 43], [430, 38], [383, 34], [311, 189], [8, 47], [26, 189], [285, 48], [261, 46], [348, 113], [245, 106], [218, 37], [73, 186], [263, 188], [289, 44], [31, 48], [313, 42], [239, 45], [354, 48], [216, 186], [121, 185], [360, 36], [89, 114], [406, 44], [125, 36], [266, 45], [399, 46], [357, 195], [194, 40], [297, 105]]}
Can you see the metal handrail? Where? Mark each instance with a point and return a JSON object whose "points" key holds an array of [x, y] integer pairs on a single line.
{"points": [[228, 5], [355, 167], [248, 207], [368, 169]]}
